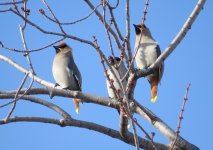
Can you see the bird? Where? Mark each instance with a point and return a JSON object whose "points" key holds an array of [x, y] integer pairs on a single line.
{"points": [[120, 70], [65, 71], [147, 51]]}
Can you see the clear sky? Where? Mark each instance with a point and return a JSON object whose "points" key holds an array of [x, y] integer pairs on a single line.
{"points": [[190, 62]]}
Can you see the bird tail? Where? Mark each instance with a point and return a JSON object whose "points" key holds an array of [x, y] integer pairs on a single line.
{"points": [[76, 102], [154, 88]]}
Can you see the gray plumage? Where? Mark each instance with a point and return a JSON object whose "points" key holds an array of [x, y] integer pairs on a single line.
{"points": [[65, 71], [148, 52], [119, 70]]}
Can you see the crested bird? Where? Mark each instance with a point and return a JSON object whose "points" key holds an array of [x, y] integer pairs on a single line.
{"points": [[120, 70], [147, 51], [65, 71]]}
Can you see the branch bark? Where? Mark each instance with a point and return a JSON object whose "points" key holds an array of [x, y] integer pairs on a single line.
{"points": [[145, 144]]}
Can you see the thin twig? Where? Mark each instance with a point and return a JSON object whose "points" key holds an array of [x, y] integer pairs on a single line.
{"points": [[6, 10], [12, 3], [25, 14], [55, 18], [181, 115], [135, 135], [16, 97], [128, 45], [32, 50], [114, 7], [102, 20], [53, 33], [115, 22], [107, 29], [69, 23], [145, 12], [25, 47]]}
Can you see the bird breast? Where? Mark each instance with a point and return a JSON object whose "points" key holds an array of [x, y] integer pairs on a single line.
{"points": [[119, 72], [146, 55], [62, 74]]}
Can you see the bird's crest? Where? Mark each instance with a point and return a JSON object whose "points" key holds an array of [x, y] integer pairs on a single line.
{"points": [[62, 45]]}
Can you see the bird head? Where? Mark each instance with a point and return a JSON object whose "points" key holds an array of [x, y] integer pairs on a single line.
{"points": [[141, 28], [63, 47], [113, 61]]}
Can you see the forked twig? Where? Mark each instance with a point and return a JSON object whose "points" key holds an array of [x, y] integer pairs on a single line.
{"points": [[181, 115]]}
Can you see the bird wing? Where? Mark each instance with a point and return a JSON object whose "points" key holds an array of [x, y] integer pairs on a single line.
{"points": [[161, 68], [75, 73], [78, 80]]}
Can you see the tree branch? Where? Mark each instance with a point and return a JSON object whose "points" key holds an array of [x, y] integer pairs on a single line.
{"points": [[50, 105], [53, 33], [145, 144], [139, 109]]}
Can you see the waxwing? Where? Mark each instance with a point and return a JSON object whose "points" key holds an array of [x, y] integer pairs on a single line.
{"points": [[120, 70], [148, 52], [65, 71]]}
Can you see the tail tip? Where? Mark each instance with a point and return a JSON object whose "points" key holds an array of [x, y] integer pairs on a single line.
{"points": [[153, 99], [77, 110]]}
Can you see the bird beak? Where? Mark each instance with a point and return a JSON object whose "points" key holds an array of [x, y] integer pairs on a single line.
{"points": [[137, 29], [56, 49], [136, 26], [110, 59]]}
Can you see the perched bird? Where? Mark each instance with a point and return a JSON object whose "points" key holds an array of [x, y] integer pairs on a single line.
{"points": [[65, 71], [148, 51], [119, 70]]}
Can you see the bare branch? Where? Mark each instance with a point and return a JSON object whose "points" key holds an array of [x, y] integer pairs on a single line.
{"points": [[104, 101], [102, 20], [53, 33], [15, 65], [50, 105], [128, 45], [181, 115], [116, 5], [12, 3], [57, 21], [87, 125], [31, 50], [6, 10], [115, 22], [73, 22], [25, 48], [145, 12], [16, 96]]}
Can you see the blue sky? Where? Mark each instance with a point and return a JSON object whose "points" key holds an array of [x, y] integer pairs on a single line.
{"points": [[190, 62]]}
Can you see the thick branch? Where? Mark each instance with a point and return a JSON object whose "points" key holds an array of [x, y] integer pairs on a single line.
{"points": [[89, 98], [15, 65], [145, 144]]}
